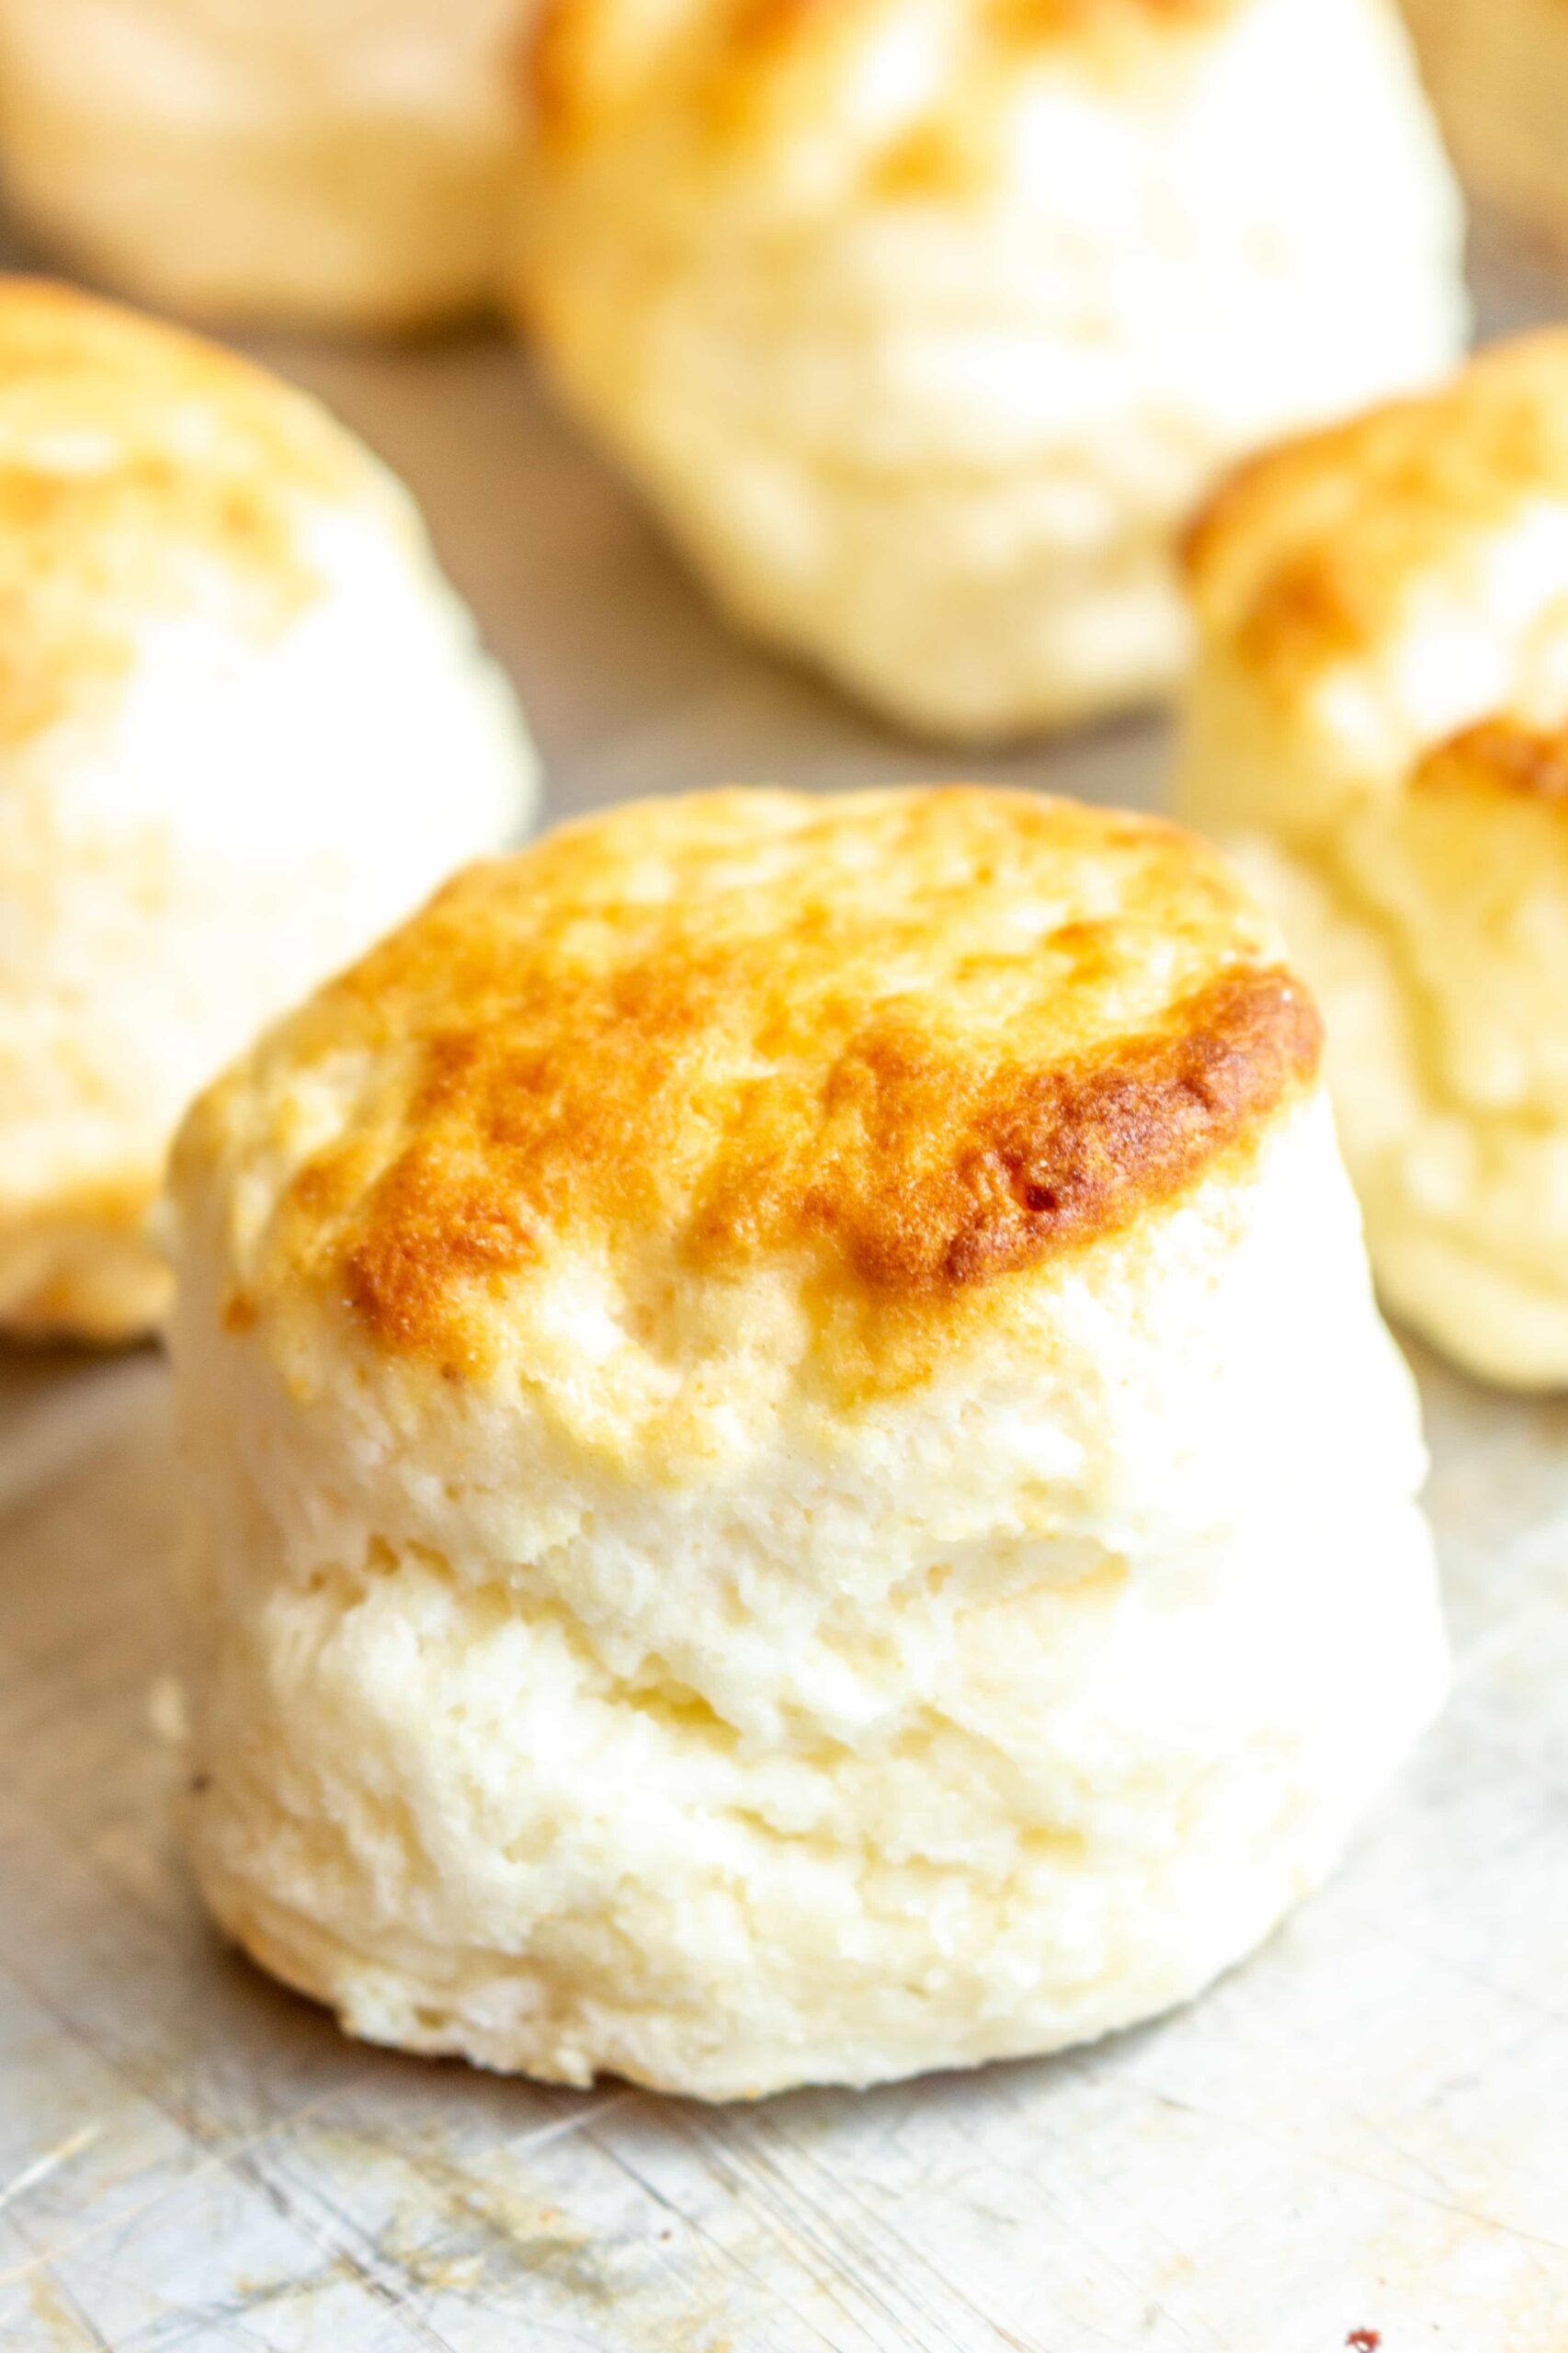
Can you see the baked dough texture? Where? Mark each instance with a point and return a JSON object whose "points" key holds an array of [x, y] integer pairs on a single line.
{"points": [[244, 725], [1498, 73], [1378, 723], [923, 323], [796, 1475], [326, 162]]}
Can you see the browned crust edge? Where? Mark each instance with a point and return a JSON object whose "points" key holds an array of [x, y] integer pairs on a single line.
{"points": [[934, 1178]]}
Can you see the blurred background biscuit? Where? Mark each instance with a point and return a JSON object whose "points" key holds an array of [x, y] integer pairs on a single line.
{"points": [[1379, 720], [923, 326], [245, 725], [331, 163]]}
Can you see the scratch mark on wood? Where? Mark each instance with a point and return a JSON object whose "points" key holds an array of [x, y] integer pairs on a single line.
{"points": [[815, 2232], [543, 2136], [358, 2260], [909, 2257], [50, 2162], [73, 2311], [213, 2161], [726, 2254], [1448, 2206]]}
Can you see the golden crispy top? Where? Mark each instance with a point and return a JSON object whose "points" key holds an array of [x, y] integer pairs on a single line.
{"points": [[1506, 756], [142, 472], [755, 76], [908, 1042], [1312, 554]]}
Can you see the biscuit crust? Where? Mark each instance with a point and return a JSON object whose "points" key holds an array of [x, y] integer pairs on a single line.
{"points": [[750, 70], [1309, 555], [140, 466], [910, 1041], [1503, 756]]}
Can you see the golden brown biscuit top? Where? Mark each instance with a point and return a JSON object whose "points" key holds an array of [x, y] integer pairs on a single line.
{"points": [[909, 1042], [1505, 756], [142, 472], [1309, 555], [748, 74]]}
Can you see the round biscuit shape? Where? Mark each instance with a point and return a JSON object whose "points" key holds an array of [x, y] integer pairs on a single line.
{"points": [[244, 725], [796, 1475], [922, 327]]}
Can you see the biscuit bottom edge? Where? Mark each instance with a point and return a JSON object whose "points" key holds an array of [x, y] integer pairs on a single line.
{"points": [[1193, 1900], [71, 1278]]}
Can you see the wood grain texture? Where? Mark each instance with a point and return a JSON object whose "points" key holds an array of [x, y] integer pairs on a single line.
{"points": [[1364, 2128]]}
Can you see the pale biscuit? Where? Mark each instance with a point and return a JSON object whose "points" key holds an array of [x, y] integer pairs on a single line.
{"points": [[1378, 721], [796, 1475], [311, 161], [244, 725], [923, 323]]}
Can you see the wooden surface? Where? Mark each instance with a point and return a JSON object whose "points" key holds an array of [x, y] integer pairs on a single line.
{"points": [[1366, 2128]]}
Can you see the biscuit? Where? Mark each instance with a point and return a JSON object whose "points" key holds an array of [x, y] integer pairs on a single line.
{"points": [[245, 725], [796, 1476], [306, 162], [922, 327], [1378, 723]]}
